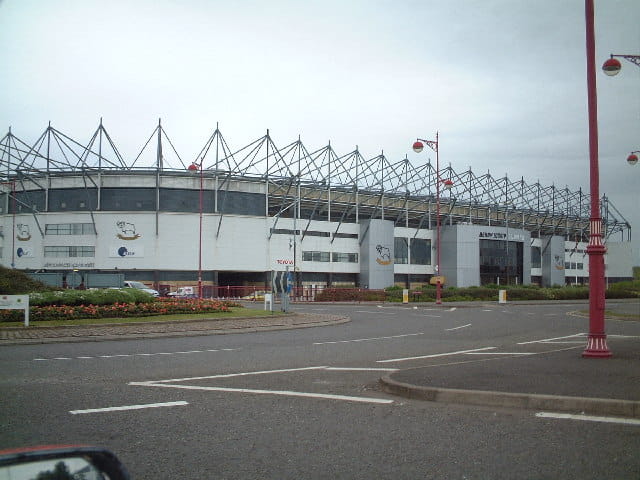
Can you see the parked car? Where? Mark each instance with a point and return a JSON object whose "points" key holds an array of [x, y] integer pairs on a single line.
{"points": [[141, 286], [183, 292]]}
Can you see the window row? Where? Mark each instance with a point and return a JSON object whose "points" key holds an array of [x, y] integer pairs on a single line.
{"points": [[311, 233], [69, 229], [133, 199], [337, 257], [69, 251], [573, 266]]}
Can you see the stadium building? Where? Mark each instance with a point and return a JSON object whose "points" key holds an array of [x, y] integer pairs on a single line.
{"points": [[232, 216]]}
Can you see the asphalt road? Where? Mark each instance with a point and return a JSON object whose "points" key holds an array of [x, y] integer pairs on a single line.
{"points": [[306, 403]]}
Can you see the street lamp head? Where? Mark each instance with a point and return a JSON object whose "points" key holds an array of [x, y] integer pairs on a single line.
{"points": [[418, 146], [193, 167], [611, 67], [448, 184], [632, 159]]}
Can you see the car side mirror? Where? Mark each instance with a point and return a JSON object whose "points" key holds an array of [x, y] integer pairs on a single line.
{"points": [[61, 463]]}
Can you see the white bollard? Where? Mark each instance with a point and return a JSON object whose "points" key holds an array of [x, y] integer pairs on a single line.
{"points": [[502, 296], [268, 299]]}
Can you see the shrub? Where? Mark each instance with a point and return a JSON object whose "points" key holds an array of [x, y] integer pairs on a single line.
{"points": [[628, 289], [118, 310], [15, 282]]}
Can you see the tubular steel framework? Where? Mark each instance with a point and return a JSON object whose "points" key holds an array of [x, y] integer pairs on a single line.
{"points": [[311, 185]]}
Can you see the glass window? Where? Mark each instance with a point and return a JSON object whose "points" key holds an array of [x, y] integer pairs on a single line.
{"points": [[69, 229], [315, 256], [400, 250], [420, 251], [344, 257], [536, 257], [122, 199], [345, 235], [500, 262], [69, 251]]}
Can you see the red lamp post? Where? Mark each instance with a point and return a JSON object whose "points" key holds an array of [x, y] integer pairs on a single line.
{"points": [[597, 340], [632, 159], [194, 168], [418, 146]]}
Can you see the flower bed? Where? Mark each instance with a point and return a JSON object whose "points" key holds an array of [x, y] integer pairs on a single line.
{"points": [[162, 306]]}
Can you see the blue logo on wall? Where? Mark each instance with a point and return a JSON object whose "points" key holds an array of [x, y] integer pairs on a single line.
{"points": [[20, 252], [122, 251]]}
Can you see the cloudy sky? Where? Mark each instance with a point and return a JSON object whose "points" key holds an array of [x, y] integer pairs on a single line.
{"points": [[503, 81]]}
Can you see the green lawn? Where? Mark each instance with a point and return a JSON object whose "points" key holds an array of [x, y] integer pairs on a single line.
{"points": [[234, 313], [616, 315]]}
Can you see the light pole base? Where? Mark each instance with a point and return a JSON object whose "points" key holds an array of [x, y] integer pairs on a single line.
{"points": [[597, 346]]}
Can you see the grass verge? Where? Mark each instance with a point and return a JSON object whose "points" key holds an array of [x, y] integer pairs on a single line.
{"points": [[616, 315], [234, 313]]}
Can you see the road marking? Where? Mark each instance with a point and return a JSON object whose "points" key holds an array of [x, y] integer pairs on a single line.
{"points": [[369, 339], [228, 375], [289, 393], [379, 313], [499, 353], [356, 369], [487, 310], [434, 356], [588, 418], [128, 407], [555, 338], [434, 316], [581, 342], [136, 354], [458, 328], [453, 309], [286, 393]]}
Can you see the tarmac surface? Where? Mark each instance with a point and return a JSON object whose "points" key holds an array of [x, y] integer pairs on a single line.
{"points": [[560, 381]]}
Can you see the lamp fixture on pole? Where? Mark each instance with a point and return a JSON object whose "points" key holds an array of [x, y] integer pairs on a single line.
{"points": [[613, 66]]}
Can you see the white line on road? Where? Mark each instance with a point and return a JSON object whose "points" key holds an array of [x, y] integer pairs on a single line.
{"points": [[434, 316], [457, 328], [379, 313], [434, 356], [137, 354], [555, 338], [581, 342], [499, 353], [128, 407], [487, 310], [588, 418], [369, 339], [228, 375], [453, 309], [356, 369], [285, 393]]}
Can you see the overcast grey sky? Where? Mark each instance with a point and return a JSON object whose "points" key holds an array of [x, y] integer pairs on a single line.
{"points": [[503, 81]]}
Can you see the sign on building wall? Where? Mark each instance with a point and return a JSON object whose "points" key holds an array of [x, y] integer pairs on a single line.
{"points": [[376, 254], [128, 251]]}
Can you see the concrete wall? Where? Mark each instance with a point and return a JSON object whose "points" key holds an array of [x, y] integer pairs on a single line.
{"points": [[376, 254], [553, 260]]}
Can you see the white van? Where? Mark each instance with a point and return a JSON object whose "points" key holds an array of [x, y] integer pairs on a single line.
{"points": [[141, 286]]}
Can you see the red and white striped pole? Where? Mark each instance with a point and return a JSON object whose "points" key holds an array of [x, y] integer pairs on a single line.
{"points": [[597, 340]]}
